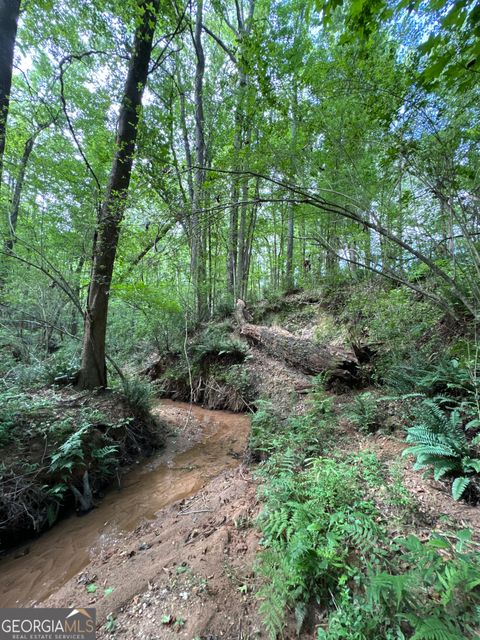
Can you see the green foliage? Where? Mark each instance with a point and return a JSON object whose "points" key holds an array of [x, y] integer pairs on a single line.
{"points": [[311, 522], [70, 453], [440, 442], [325, 542], [457, 378], [265, 426], [297, 436], [78, 448], [18, 410], [216, 340], [238, 378], [435, 588], [364, 413], [394, 320], [138, 394]]}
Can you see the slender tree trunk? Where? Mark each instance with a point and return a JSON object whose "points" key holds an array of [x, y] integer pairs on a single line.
{"points": [[77, 287], [197, 263], [247, 255], [242, 232], [236, 283], [291, 210], [9, 12], [93, 372], [12, 216], [186, 141], [232, 265], [17, 193]]}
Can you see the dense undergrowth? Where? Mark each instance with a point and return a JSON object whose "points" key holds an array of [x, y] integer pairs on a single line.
{"points": [[347, 553], [208, 369], [59, 449], [339, 544]]}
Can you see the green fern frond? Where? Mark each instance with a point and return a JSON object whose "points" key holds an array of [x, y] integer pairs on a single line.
{"points": [[443, 467], [434, 629], [458, 487]]}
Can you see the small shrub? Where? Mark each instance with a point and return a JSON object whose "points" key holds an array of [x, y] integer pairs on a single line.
{"points": [[238, 377], [433, 587], [216, 340], [265, 428], [311, 522], [30, 375], [65, 362], [364, 413], [322, 403], [449, 376], [439, 442], [138, 394]]}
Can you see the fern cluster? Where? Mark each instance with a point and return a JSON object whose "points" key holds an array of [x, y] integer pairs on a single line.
{"points": [[364, 413], [138, 394], [326, 544], [312, 521], [439, 441], [445, 376]]}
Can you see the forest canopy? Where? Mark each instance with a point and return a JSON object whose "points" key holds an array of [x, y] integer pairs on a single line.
{"points": [[161, 159]]}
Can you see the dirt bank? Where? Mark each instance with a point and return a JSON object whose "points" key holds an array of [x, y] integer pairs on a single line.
{"points": [[200, 445], [191, 568]]}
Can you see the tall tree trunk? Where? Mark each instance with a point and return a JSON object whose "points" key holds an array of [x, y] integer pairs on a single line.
{"points": [[9, 12], [17, 192], [197, 263], [77, 288], [235, 259], [186, 141], [93, 372], [242, 229], [291, 210], [12, 215], [232, 265], [247, 254]]}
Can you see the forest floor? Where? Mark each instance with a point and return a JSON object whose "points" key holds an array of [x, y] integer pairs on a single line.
{"points": [[189, 571]]}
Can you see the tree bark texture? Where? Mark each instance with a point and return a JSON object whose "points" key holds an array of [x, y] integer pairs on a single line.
{"points": [[93, 372], [9, 12], [197, 261], [299, 353]]}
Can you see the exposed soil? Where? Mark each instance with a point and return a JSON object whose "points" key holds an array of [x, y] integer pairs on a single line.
{"points": [[36, 434], [200, 445], [182, 564], [274, 380], [431, 500], [192, 563]]}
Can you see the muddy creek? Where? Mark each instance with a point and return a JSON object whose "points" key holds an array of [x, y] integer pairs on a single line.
{"points": [[62, 552]]}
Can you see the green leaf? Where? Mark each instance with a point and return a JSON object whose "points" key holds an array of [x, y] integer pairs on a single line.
{"points": [[434, 629], [458, 487], [183, 568]]}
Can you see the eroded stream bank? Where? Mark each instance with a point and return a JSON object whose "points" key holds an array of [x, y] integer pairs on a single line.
{"points": [[202, 444]]}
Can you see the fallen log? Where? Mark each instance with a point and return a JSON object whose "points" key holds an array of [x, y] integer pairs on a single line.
{"points": [[303, 354]]}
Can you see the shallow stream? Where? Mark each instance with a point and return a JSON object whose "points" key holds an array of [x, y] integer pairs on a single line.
{"points": [[65, 550]]}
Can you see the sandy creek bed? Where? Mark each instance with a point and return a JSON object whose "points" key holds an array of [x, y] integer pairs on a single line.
{"points": [[203, 444]]}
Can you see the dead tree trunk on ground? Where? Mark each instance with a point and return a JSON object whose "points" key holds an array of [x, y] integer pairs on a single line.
{"points": [[304, 355]]}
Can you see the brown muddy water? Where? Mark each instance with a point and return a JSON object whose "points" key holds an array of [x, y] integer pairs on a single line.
{"points": [[62, 552]]}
